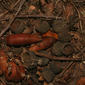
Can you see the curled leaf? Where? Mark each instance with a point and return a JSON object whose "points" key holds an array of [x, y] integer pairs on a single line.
{"points": [[45, 43], [14, 72], [11, 71], [22, 39], [50, 34]]}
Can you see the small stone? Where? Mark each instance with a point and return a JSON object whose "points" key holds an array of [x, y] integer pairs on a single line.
{"points": [[43, 61], [60, 26], [18, 26], [43, 27], [57, 48], [48, 75], [68, 50], [55, 68], [64, 37]]}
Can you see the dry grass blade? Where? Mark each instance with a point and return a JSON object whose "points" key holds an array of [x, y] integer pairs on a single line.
{"points": [[79, 15], [13, 6]]}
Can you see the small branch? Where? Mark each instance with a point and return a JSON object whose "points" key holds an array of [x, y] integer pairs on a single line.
{"points": [[38, 16], [15, 4], [79, 15], [2, 81], [66, 68], [12, 19], [62, 58], [59, 58], [10, 9]]}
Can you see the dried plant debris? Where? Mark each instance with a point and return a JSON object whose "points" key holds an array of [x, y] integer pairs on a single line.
{"points": [[18, 26], [42, 42]]}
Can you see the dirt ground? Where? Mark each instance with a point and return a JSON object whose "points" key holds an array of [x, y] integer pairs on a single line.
{"points": [[42, 42]]}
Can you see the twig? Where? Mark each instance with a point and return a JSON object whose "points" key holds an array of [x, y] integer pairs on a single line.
{"points": [[37, 16], [62, 58], [15, 4], [66, 68], [79, 1], [13, 18], [2, 14], [71, 64], [10, 9], [58, 58], [5, 19], [3, 82], [79, 15], [64, 72]]}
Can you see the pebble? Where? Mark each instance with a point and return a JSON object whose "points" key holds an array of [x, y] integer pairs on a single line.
{"points": [[18, 26], [47, 74], [43, 27], [43, 61], [68, 50], [64, 37], [60, 26], [57, 48], [55, 68]]}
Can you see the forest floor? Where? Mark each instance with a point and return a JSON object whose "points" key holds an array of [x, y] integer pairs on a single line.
{"points": [[42, 42]]}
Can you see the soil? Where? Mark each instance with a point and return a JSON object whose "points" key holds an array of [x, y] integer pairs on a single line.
{"points": [[57, 62]]}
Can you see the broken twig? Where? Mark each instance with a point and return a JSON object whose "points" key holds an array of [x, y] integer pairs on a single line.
{"points": [[38, 16], [13, 18], [62, 58]]}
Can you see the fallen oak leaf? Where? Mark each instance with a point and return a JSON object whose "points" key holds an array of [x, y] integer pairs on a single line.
{"points": [[20, 73], [14, 72], [45, 43], [20, 70], [22, 39], [11, 71]]}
